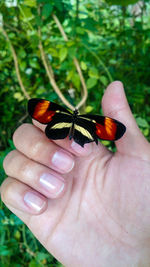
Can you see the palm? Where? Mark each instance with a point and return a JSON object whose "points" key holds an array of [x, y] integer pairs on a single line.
{"points": [[109, 197]]}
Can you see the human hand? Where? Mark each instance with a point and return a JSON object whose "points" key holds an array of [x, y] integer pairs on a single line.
{"points": [[95, 212]]}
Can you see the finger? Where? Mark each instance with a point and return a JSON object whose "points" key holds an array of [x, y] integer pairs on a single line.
{"points": [[115, 105], [76, 149], [69, 145], [38, 177], [22, 197], [33, 143]]}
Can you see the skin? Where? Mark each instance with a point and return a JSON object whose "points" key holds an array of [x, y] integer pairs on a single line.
{"points": [[101, 217]]}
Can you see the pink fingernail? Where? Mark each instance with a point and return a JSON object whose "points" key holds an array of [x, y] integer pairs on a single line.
{"points": [[63, 161], [33, 201], [51, 183]]}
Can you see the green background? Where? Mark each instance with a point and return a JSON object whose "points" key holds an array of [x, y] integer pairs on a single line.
{"points": [[110, 39]]}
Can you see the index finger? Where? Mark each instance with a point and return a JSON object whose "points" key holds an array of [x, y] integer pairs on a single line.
{"points": [[71, 145]]}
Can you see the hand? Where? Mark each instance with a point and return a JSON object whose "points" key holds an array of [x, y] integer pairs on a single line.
{"points": [[87, 206]]}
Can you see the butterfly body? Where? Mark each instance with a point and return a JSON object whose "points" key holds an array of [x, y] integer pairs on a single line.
{"points": [[83, 129]]}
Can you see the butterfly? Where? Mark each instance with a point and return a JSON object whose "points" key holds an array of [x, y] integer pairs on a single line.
{"points": [[82, 129]]}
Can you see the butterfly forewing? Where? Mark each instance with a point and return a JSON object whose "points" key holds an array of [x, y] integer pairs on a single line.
{"points": [[44, 110], [106, 128]]}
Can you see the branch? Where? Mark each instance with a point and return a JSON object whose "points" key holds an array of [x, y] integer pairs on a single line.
{"points": [[76, 63], [16, 64], [11, 28], [50, 74]]}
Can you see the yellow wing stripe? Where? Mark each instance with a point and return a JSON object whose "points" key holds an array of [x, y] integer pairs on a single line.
{"points": [[83, 131], [61, 125], [88, 119]]}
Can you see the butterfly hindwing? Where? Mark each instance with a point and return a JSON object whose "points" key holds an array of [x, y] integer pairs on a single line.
{"points": [[59, 126], [106, 128], [43, 110], [84, 131]]}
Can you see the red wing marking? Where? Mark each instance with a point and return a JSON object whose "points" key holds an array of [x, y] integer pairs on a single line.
{"points": [[108, 130], [42, 112]]}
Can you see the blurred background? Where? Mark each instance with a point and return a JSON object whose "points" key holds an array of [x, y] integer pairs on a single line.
{"points": [[47, 47]]}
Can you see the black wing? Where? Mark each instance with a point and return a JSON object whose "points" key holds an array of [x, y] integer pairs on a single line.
{"points": [[84, 131], [59, 126]]}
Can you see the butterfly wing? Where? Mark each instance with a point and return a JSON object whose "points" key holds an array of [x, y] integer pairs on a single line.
{"points": [[43, 110], [82, 128], [105, 128], [84, 131], [57, 118], [59, 126]]}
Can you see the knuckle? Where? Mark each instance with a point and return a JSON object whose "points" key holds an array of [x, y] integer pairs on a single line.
{"points": [[6, 189], [25, 167], [8, 159], [36, 147], [19, 131]]}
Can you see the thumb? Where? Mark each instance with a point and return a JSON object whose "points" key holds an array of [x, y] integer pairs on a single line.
{"points": [[115, 105]]}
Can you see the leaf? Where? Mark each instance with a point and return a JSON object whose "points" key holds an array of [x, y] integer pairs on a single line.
{"points": [[93, 72], [34, 263], [39, 21], [11, 144], [146, 132], [42, 1], [142, 122], [59, 5], [22, 65], [91, 82], [76, 80], [103, 80], [31, 3], [18, 96], [69, 75], [34, 40], [17, 235], [53, 52], [41, 256], [13, 217], [70, 43], [22, 53], [33, 63], [121, 2], [47, 10], [83, 65], [105, 143], [80, 30], [88, 109], [5, 251], [63, 53]]}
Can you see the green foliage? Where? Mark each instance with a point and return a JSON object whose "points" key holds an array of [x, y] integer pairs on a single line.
{"points": [[110, 41], [121, 2]]}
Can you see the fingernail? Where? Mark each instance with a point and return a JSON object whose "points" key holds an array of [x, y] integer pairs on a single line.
{"points": [[33, 201], [81, 150], [51, 183], [63, 161]]}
